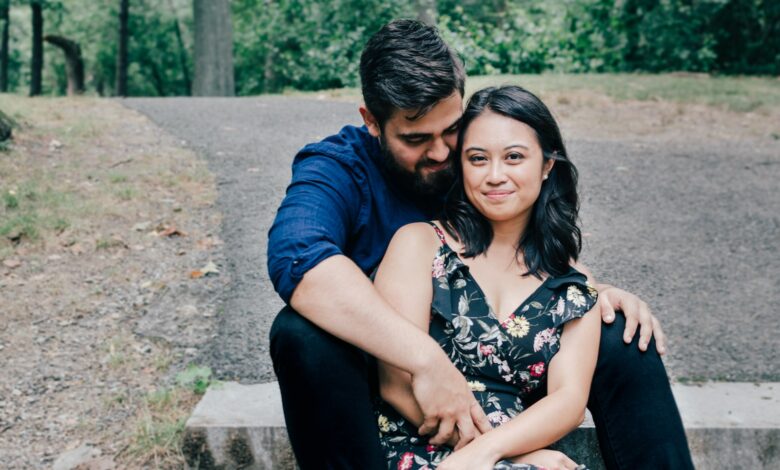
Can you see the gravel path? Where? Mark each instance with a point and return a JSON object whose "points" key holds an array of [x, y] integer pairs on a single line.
{"points": [[692, 225]]}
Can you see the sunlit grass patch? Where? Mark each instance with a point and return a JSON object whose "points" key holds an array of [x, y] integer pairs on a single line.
{"points": [[735, 93], [158, 428]]}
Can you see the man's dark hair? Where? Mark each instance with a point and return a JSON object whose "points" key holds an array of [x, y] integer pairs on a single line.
{"points": [[407, 65], [552, 238]]}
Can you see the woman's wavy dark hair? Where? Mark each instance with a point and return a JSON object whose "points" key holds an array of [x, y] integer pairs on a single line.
{"points": [[552, 238]]}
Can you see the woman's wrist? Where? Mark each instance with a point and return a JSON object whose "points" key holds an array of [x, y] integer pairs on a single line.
{"points": [[487, 446]]}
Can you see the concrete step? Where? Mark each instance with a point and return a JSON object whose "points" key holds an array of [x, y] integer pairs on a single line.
{"points": [[729, 426]]}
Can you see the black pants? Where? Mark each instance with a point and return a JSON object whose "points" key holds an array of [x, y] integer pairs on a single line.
{"points": [[327, 387]]}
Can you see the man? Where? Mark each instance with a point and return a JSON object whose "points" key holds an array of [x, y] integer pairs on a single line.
{"points": [[348, 195]]}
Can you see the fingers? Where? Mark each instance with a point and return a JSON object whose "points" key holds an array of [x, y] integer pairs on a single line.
{"points": [[660, 337], [645, 326], [428, 426], [446, 426], [466, 431], [607, 310], [479, 418]]}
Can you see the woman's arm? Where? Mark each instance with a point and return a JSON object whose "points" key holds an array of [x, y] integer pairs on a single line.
{"points": [[551, 418], [404, 281]]}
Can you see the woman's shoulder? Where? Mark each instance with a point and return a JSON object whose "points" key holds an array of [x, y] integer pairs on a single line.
{"points": [[417, 235]]}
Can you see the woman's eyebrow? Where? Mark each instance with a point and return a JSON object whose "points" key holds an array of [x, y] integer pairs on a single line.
{"points": [[516, 145], [478, 149]]}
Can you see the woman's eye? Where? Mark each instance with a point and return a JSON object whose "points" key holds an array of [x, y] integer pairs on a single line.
{"points": [[514, 156], [477, 158]]}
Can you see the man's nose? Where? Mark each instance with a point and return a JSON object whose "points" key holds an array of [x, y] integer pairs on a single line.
{"points": [[438, 151]]}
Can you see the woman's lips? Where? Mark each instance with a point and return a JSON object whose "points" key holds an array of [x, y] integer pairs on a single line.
{"points": [[498, 194]]}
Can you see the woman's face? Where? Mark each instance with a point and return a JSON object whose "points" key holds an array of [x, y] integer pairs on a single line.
{"points": [[503, 167]]}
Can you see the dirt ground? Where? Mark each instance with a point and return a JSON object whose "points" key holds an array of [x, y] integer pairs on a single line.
{"points": [[104, 293], [99, 304]]}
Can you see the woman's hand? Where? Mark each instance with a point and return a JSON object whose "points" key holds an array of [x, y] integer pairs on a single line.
{"points": [[547, 459], [474, 456], [637, 313]]}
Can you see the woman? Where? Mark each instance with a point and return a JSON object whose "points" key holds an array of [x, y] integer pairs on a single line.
{"points": [[506, 302]]}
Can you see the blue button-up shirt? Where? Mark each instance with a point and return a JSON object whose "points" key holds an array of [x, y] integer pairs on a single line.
{"points": [[339, 202]]}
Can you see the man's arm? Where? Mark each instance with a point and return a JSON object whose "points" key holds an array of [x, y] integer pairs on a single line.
{"points": [[336, 296], [310, 272]]}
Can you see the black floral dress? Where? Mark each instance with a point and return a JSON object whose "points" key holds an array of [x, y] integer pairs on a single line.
{"points": [[504, 362]]}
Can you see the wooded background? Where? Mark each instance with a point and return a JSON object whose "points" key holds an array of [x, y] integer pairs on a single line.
{"points": [[246, 47]]}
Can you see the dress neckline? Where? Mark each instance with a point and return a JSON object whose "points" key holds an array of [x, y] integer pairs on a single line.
{"points": [[491, 311]]}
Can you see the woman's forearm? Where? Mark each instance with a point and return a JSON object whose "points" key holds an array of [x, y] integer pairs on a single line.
{"points": [[544, 423], [399, 395]]}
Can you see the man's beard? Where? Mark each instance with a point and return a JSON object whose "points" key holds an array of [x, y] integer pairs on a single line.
{"points": [[416, 183]]}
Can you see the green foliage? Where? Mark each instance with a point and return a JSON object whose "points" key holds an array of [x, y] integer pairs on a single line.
{"points": [[305, 45], [195, 378], [313, 45]]}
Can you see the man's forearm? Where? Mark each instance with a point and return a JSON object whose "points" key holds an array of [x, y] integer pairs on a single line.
{"points": [[336, 296]]}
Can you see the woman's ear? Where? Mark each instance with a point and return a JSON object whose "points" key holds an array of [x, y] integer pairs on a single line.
{"points": [[547, 168], [370, 121]]}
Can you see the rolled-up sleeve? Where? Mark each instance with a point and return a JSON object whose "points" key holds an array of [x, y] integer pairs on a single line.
{"points": [[314, 221]]}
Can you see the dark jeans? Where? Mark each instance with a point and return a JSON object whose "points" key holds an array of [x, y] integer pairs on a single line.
{"points": [[327, 387]]}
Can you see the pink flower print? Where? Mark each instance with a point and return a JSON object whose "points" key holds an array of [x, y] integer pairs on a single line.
{"points": [[406, 461], [438, 267], [486, 349], [537, 370], [544, 337], [497, 418], [431, 448]]}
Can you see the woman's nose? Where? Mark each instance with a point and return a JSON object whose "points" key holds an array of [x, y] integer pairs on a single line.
{"points": [[496, 174]]}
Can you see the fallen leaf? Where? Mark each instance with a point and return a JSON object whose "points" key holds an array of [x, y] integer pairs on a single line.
{"points": [[172, 231], [210, 268], [12, 263]]}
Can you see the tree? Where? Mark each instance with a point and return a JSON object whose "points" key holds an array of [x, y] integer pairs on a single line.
{"points": [[74, 64], [213, 49], [36, 63], [121, 56], [6, 18], [182, 50]]}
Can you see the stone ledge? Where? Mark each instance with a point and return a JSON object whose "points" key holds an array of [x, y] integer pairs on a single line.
{"points": [[729, 425]]}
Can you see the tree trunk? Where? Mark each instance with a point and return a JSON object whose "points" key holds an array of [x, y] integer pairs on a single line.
{"points": [[36, 64], [426, 11], [6, 18], [121, 56], [74, 64], [213, 49]]}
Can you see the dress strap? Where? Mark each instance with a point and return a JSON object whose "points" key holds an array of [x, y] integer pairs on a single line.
{"points": [[439, 233]]}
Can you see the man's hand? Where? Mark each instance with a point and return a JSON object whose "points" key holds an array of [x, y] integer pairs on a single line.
{"points": [[637, 313], [448, 405]]}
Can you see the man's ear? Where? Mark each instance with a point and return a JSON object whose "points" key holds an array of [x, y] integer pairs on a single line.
{"points": [[371, 123]]}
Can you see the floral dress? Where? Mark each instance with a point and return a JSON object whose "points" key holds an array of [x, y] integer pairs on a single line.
{"points": [[505, 363]]}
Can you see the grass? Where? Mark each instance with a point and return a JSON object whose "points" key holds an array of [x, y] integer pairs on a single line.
{"points": [[159, 428], [740, 94]]}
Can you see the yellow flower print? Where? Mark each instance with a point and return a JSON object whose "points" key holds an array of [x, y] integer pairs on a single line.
{"points": [[476, 386], [517, 326], [574, 295], [384, 423]]}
